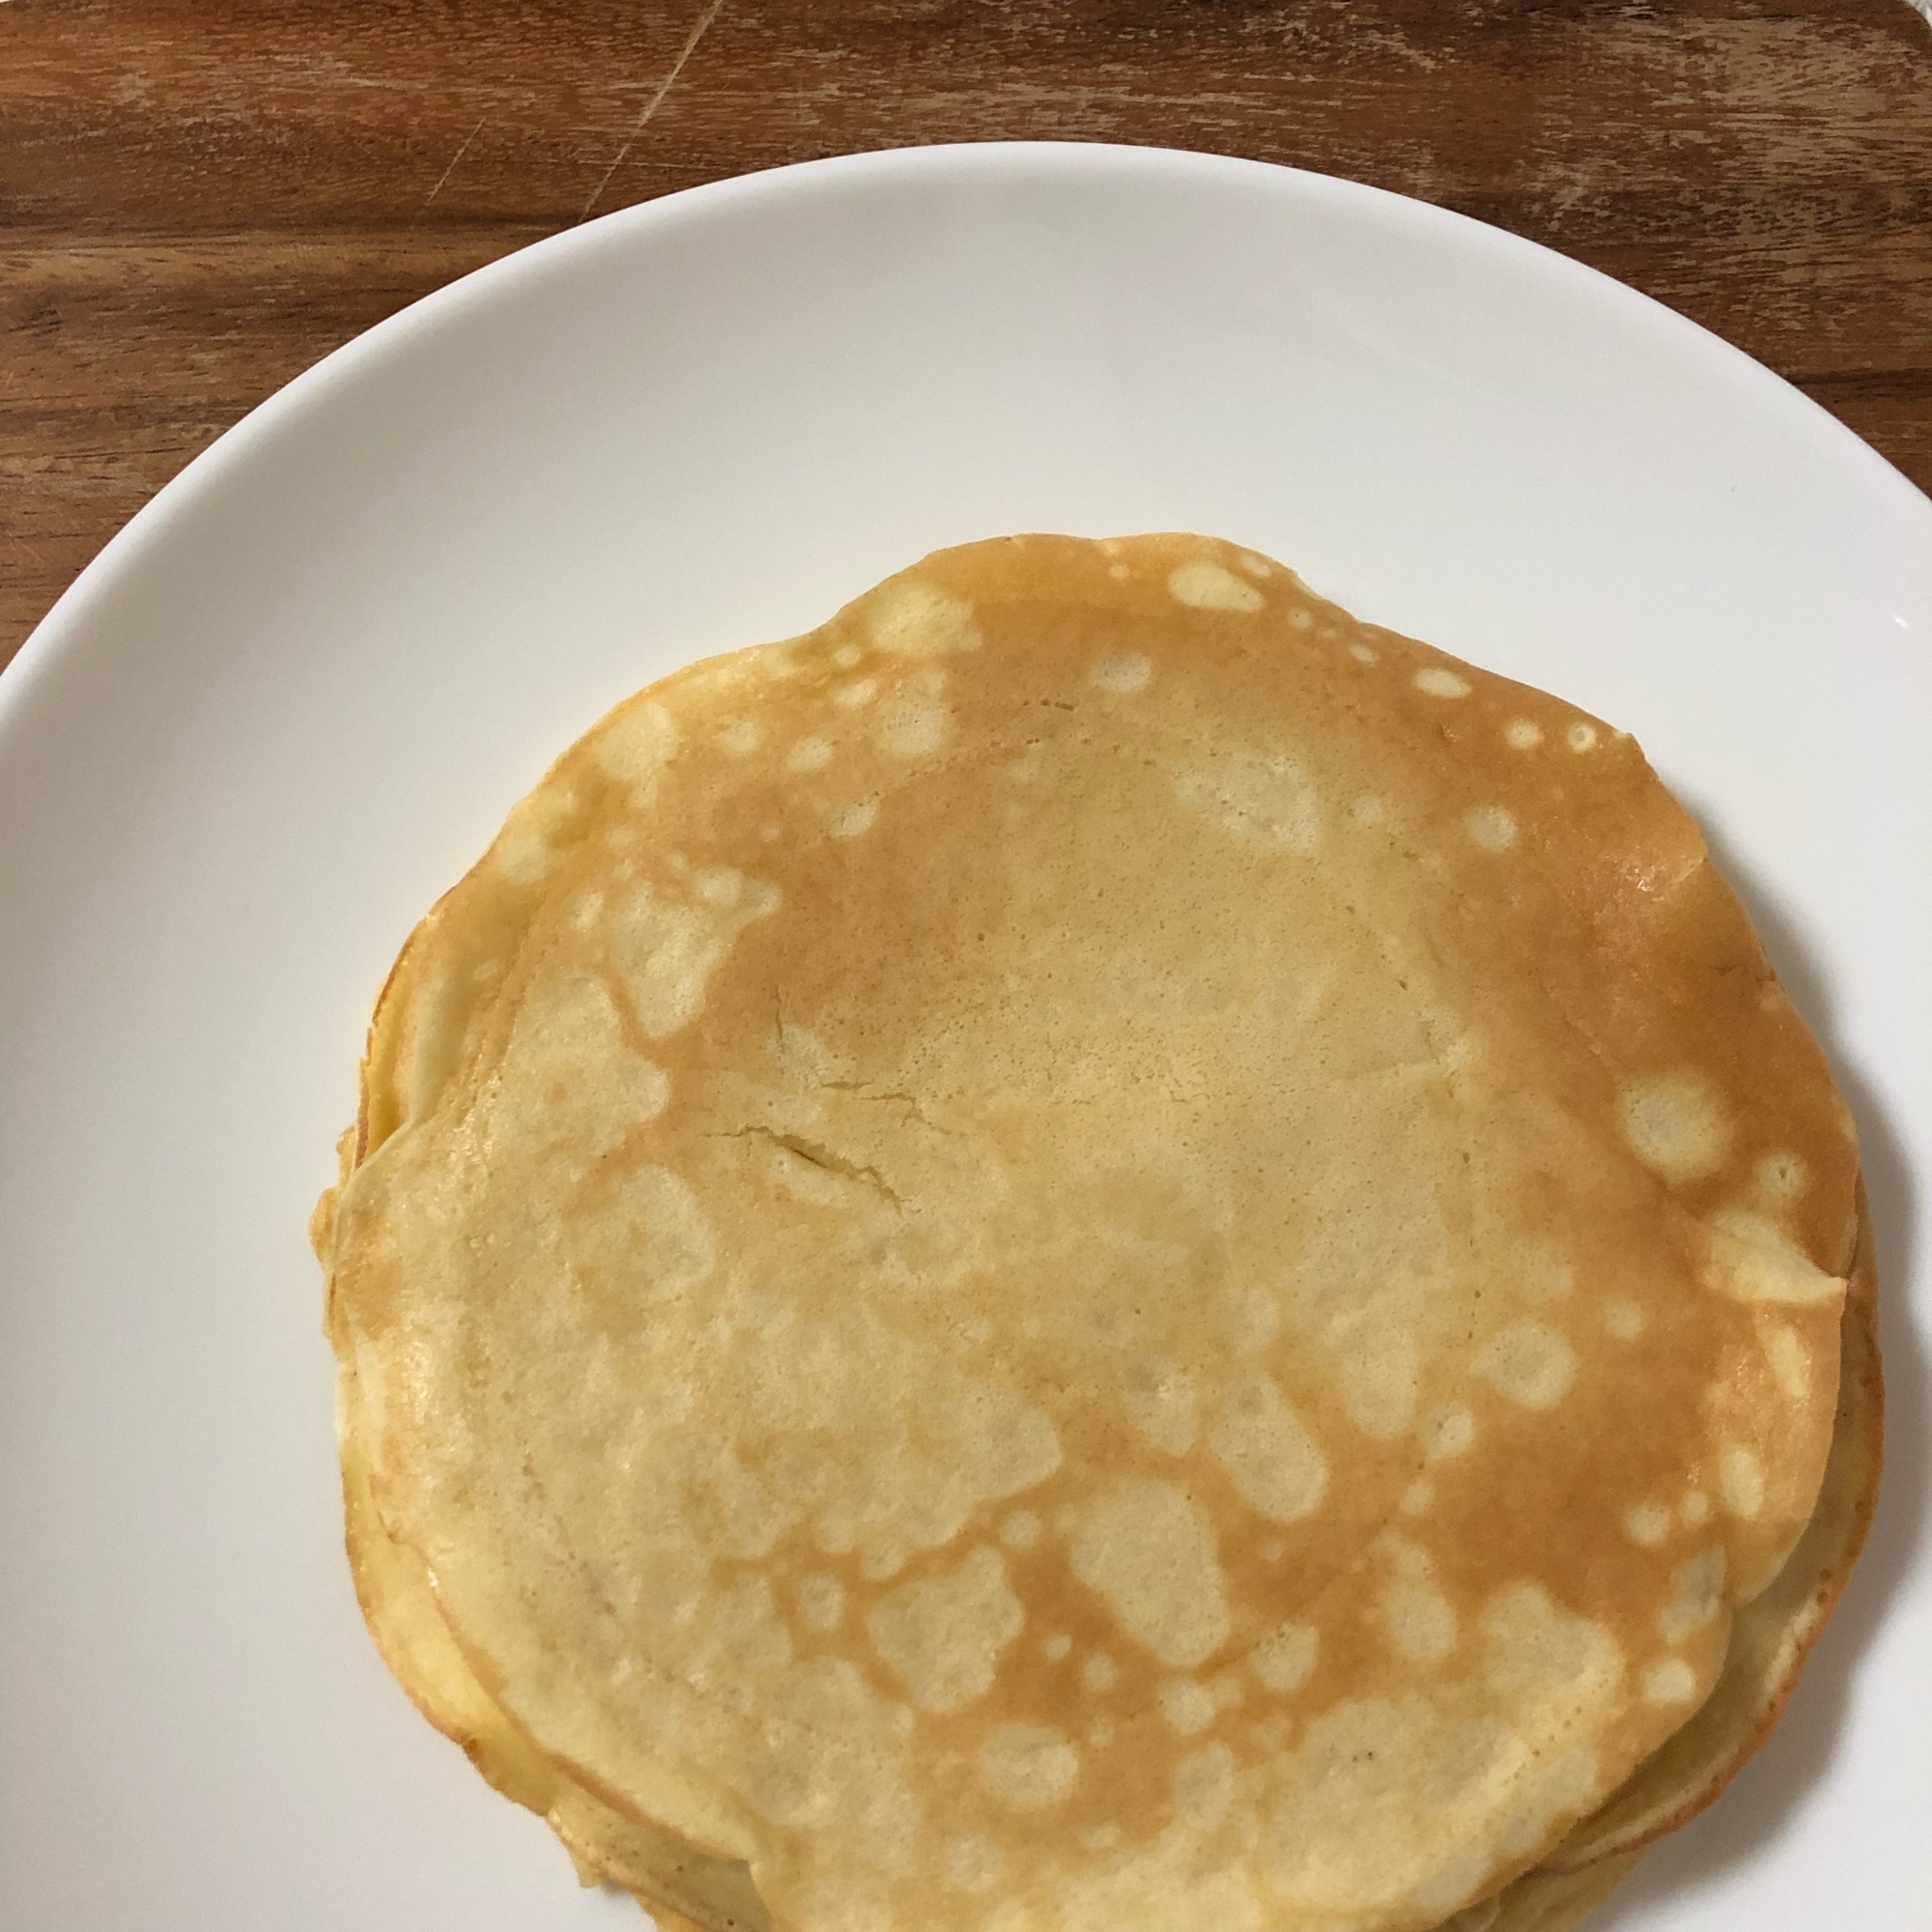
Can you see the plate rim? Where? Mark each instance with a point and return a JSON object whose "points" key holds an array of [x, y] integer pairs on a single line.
{"points": [[62, 628]]}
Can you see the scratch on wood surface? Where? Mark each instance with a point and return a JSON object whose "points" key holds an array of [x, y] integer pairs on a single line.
{"points": [[651, 106], [453, 159]]}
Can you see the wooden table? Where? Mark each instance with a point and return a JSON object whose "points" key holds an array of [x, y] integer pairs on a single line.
{"points": [[201, 197]]}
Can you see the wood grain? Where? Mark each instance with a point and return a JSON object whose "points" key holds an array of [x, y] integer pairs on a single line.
{"points": [[198, 198]]}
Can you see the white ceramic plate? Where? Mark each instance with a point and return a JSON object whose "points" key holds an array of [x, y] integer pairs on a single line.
{"points": [[286, 708]]}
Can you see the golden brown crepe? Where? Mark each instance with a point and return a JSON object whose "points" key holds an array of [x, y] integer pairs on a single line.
{"points": [[1098, 1249]]}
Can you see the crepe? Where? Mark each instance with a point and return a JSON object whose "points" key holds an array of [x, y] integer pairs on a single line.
{"points": [[997, 1262], [1769, 1642]]}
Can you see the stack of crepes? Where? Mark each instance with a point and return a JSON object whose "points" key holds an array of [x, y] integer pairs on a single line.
{"points": [[1099, 1250]]}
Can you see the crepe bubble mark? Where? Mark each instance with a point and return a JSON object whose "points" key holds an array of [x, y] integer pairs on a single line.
{"points": [[1529, 1362], [1205, 1786], [943, 1636], [1789, 1357], [525, 851], [1021, 1531], [918, 621], [1668, 1681], [634, 744], [1446, 1432], [1419, 1620], [1648, 1524], [1028, 1767], [1122, 671], [1147, 1552], [1676, 1124], [1284, 1658], [1490, 828], [665, 950], [1162, 1403], [1202, 585], [564, 1047], [1740, 1480], [849, 821], [972, 1863], [1266, 1450], [821, 1602], [1379, 1371], [1263, 799], [1186, 1705], [1624, 1319], [913, 725], [1696, 1596]]}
